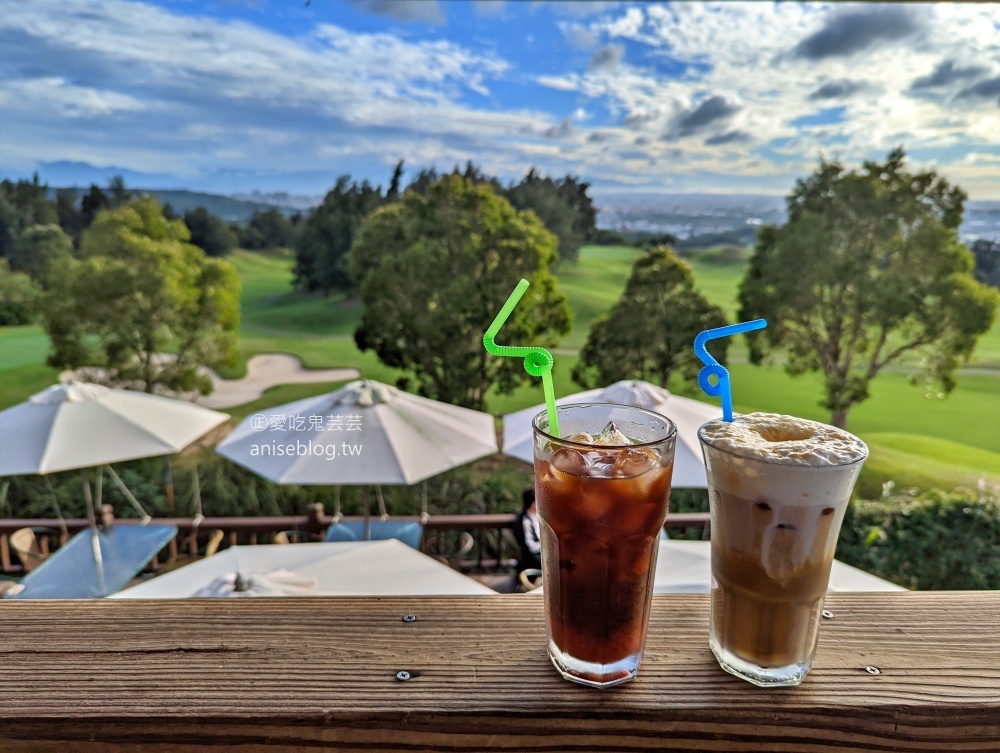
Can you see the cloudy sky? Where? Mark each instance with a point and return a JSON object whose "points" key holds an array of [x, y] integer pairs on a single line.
{"points": [[237, 95]]}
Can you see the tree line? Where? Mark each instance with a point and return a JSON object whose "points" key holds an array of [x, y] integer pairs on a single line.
{"points": [[321, 249], [867, 271]]}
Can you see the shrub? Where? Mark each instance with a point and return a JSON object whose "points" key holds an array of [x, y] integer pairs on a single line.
{"points": [[932, 541]]}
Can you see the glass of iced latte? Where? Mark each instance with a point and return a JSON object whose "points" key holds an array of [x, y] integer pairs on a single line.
{"points": [[778, 489], [602, 490]]}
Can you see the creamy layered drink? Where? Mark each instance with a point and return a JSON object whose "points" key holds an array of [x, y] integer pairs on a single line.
{"points": [[778, 489]]}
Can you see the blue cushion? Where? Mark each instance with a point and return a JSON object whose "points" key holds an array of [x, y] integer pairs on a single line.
{"points": [[409, 532], [340, 532]]}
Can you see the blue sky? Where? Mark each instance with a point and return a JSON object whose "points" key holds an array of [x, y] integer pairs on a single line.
{"points": [[241, 95]]}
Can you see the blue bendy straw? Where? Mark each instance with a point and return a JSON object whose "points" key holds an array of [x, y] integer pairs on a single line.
{"points": [[537, 361], [722, 387]]}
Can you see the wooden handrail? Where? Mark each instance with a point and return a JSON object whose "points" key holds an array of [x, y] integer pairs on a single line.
{"points": [[315, 524], [319, 522], [229, 674]]}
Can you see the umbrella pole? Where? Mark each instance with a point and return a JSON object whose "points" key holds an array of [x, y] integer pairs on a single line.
{"points": [[168, 480], [368, 528], [95, 542]]}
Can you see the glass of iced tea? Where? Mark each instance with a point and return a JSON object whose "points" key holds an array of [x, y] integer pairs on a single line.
{"points": [[602, 490]]}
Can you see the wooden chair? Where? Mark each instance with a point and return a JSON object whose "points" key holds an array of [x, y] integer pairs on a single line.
{"points": [[293, 537], [530, 579], [454, 559], [31, 545]]}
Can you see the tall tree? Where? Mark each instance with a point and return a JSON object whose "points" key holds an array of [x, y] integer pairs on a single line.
{"points": [[267, 229], [92, 203], [563, 205], [70, 218], [395, 183], [867, 270], [22, 204], [209, 233], [326, 236], [117, 193], [435, 269], [648, 333], [987, 255], [141, 304], [37, 249], [18, 297]]}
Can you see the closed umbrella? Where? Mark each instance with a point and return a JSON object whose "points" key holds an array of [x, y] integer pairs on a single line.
{"points": [[687, 414]]}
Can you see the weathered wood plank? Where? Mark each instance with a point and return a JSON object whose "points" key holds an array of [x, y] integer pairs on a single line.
{"points": [[246, 674]]}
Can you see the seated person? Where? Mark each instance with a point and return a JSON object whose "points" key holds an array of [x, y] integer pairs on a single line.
{"points": [[527, 533]]}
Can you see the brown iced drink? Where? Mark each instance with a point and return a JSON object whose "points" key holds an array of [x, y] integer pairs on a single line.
{"points": [[778, 488], [602, 501]]}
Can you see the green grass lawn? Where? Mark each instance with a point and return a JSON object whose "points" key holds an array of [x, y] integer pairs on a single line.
{"points": [[593, 285], [22, 346]]}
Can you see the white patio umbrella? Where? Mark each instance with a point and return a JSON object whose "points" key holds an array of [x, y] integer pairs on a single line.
{"points": [[398, 438], [358, 568], [687, 414], [80, 425], [366, 433]]}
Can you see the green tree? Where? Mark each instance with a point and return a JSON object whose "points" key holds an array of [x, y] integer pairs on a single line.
{"points": [[38, 248], [209, 233], [435, 269], [267, 229], [563, 205], [987, 254], [138, 291], [326, 235], [70, 217], [93, 203], [648, 333], [395, 182], [18, 297], [867, 270], [23, 204]]}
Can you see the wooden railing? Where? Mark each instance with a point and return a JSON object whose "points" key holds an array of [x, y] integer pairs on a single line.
{"points": [[494, 549], [894, 672]]}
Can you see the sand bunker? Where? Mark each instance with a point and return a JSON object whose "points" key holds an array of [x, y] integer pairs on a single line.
{"points": [[263, 372]]}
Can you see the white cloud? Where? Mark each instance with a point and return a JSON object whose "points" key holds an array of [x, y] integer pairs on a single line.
{"points": [[689, 92], [64, 98], [214, 83], [741, 51]]}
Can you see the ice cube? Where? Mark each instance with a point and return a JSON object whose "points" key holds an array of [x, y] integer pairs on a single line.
{"points": [[634, 462], [612, 436], [581, 437], [571, 461]]}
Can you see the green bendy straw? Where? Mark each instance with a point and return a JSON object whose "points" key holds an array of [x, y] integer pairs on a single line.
{"points": [[537, 361]]}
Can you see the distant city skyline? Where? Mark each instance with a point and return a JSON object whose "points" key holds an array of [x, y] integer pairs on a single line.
{"points": [[236, 96]]}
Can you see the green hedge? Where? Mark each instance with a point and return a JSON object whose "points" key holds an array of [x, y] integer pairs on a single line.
{"points": [[932, 541], [490, 485]]}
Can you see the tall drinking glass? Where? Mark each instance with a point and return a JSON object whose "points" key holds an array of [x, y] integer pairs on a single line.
{"points": [[778, 489], [602, 492]]}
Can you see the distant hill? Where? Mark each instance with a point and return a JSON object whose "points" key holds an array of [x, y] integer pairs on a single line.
{"points": [[226, 207]]}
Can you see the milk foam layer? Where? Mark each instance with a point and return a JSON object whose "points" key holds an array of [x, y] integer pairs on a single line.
{"points": [[782, 459], [774, 438]]}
